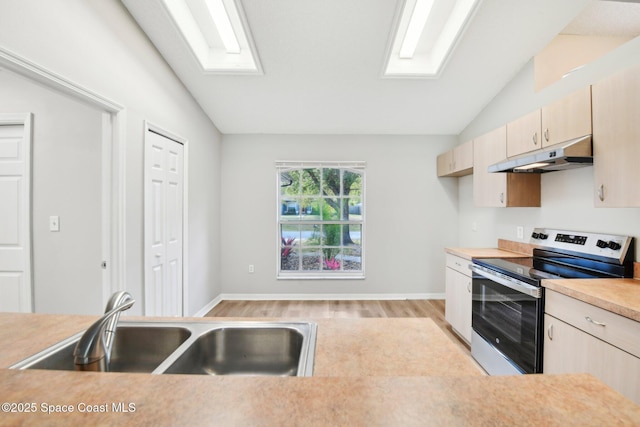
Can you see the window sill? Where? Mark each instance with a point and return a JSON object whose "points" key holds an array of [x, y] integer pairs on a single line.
{"points": [[320, 277]]}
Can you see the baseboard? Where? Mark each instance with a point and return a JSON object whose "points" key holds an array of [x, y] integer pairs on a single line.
{"points": [[317, 297], [312, 297], [207, 308]]}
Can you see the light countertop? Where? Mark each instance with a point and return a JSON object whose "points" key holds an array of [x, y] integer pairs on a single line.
{"points": [[620, 296], [367, 372], [468, 253], [344, 347], [179, 400]]}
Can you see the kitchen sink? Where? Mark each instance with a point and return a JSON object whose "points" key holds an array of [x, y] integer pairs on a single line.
{"points": [[242, 351], [206, 348], [136, 348]]}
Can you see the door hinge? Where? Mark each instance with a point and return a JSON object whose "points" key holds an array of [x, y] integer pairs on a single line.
{"points": [[104, 265]]}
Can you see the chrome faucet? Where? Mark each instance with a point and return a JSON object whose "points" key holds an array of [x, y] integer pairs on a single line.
{"points": [[93, 351]]}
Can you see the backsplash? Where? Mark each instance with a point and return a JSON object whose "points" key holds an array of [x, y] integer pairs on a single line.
{"points": [[518, 247]]}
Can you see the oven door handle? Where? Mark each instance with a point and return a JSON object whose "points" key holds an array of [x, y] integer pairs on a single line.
{"points": [[509, 282]]}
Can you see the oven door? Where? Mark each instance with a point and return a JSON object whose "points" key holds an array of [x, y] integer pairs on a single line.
{"points": [[507, 316]]}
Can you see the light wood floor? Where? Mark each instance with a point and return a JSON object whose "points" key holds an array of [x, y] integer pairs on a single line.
{"points": [[341, 309]]}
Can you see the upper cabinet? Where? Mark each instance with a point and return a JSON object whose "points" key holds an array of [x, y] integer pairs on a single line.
{"points": [[567, 118], [563, 120], [568, 52], [616, 140], [456, 162], [524, 134], [500, 189]]}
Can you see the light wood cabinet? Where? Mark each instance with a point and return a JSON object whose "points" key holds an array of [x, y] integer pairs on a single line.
{"points": [[500, 189], [568, 118], [524, 134], [568, 52], [564, 120], [456, 162], [458, 296], [580, 337], [616, 140]]}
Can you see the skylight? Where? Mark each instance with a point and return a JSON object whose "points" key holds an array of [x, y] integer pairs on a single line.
{"points": [[426, 34], [217, 34], [223, 24], [418, 20]]}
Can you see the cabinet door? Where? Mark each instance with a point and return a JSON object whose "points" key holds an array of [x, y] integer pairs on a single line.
{"points": [[567, 118], [445, 163], [458, 303], [570, 350], [451, 298], [524, 134], [566, 348], [463, 158], [616, 140], [456, 162], [464, 287], [500, 189], [489, 189]]}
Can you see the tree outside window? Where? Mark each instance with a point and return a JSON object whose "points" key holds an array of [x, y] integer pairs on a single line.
{"points": [[321, 220]]}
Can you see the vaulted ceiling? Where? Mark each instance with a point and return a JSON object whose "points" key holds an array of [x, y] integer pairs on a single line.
{"points": [[323, 64]]}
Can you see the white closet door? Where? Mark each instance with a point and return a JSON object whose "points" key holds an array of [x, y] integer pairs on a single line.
{"points": [[164, 187], [15, 224]]}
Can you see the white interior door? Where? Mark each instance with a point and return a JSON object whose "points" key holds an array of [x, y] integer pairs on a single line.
{"points": [[15, 213], [164, 215]]}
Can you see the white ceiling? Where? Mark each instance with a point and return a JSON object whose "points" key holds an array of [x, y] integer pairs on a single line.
{"points": [[607, 18], [323, 62]]}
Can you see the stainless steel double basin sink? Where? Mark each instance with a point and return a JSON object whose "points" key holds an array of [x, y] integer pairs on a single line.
{"points": [[207, 348]]}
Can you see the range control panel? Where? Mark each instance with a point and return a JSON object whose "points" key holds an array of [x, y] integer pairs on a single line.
{"points": [[571, 238], [604, 245]]}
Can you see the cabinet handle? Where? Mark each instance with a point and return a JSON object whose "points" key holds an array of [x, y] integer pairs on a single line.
{"points": [[601, 193], [550, 332], [535, 138], [468, 286], [501, 197], [595, 322], [546, 134]]}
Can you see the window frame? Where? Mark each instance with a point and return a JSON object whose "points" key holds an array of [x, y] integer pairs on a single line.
{"points": [[322, 274]]}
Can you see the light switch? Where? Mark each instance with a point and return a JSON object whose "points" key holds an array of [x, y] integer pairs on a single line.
{"points": [[54, 223]]}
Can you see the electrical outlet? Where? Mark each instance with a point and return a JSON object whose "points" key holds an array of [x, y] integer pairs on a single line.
{"points": [[520, 232], [251, 269]]}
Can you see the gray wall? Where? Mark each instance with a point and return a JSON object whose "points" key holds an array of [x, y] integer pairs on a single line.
{"points": [[66, 181], [411, 215], [96, 44], [567, 196]]}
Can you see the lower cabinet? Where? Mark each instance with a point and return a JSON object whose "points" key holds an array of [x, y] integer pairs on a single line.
{"points": [[582, 338], [458, 296]]}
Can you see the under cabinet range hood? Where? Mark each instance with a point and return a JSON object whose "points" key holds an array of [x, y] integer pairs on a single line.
{"points": [[566, 155]]}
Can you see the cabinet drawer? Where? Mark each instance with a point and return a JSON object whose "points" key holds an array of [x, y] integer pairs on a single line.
{"points": [[459, 264], [617, 330]]}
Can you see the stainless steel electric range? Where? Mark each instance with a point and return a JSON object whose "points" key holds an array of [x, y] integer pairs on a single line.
{"points": [[508, 299]]}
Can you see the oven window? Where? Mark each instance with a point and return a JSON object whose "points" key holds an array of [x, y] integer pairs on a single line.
{"points": [[508, 320], [504, 312]]}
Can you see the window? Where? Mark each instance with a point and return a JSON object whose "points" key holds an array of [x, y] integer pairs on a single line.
{"points": [[320, 220]]}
